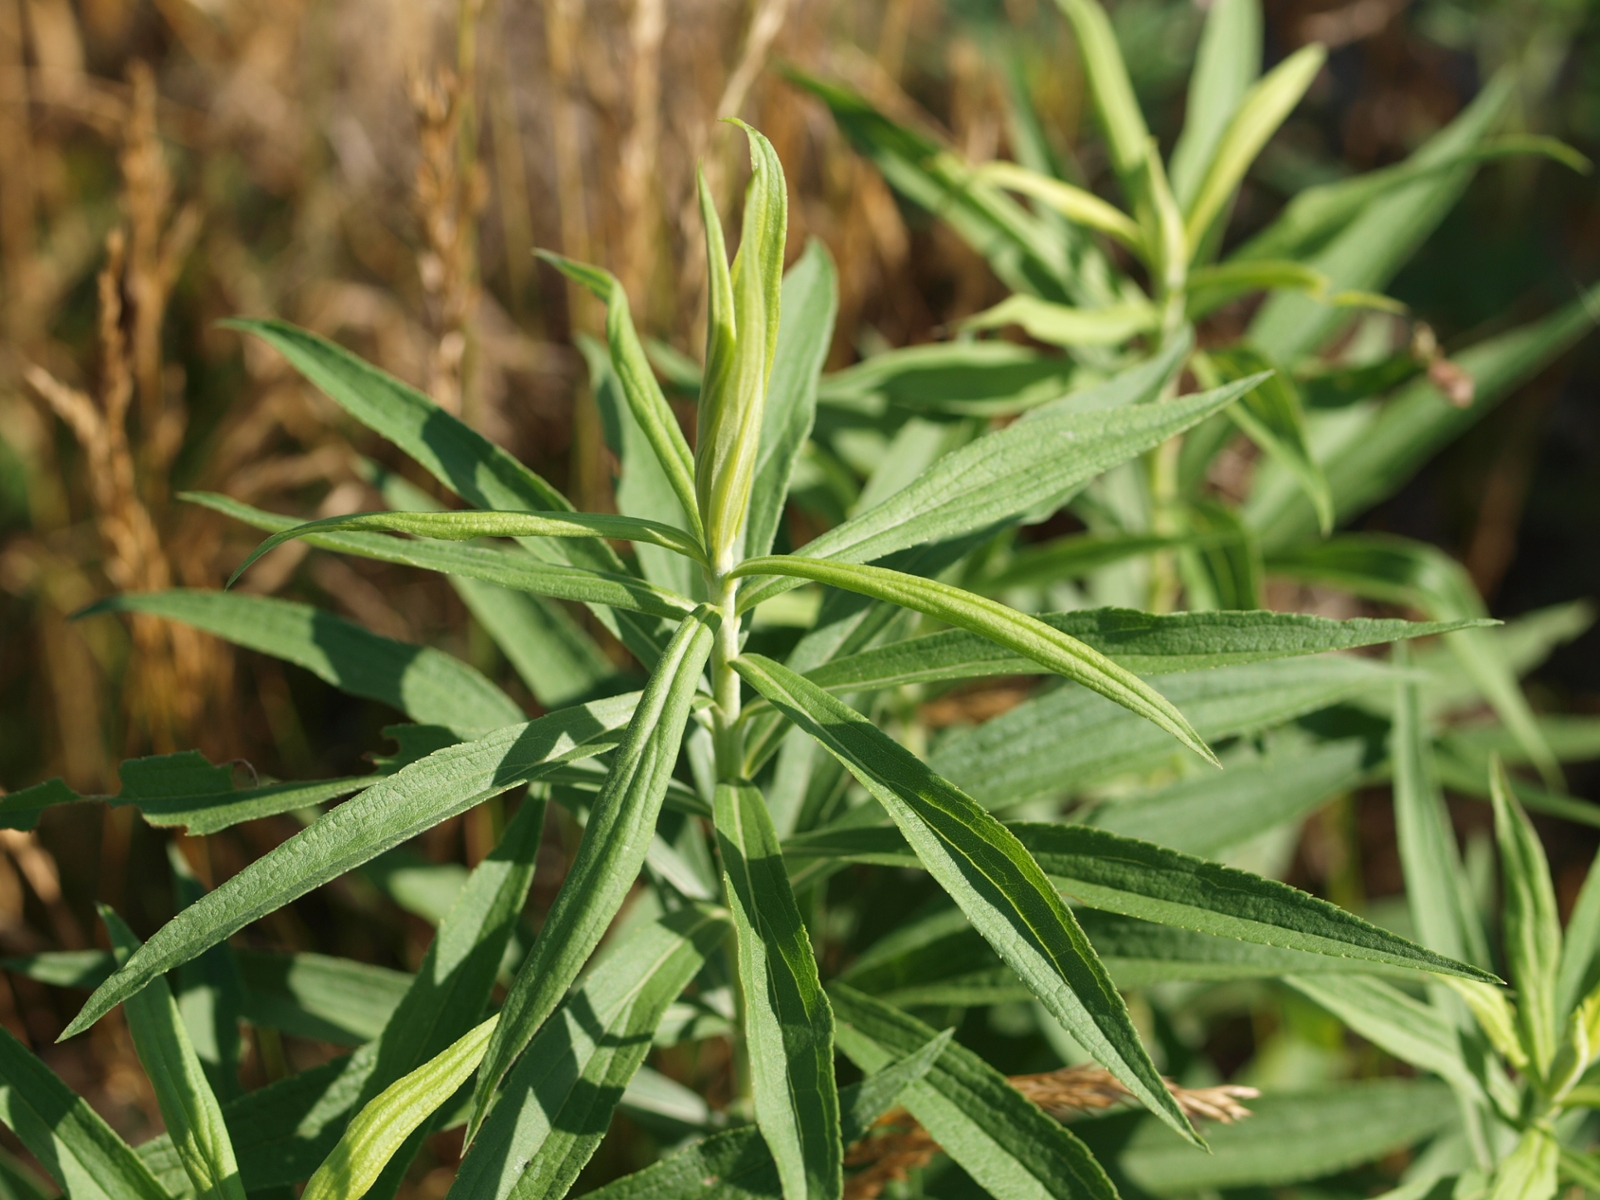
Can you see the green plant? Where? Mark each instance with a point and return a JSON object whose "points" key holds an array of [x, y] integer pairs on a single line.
{"points": [[707, 782]]}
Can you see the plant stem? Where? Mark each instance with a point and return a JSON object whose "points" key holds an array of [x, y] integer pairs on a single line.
{"points": [[727, 735]]}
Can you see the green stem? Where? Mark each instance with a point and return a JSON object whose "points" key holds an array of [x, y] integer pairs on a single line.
{"points": [[727, 735]]}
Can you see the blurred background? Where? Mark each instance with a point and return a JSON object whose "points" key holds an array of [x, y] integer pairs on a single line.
{"points": [[381, 172]]}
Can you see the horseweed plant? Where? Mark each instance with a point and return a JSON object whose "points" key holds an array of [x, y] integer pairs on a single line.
{"points": [[711, 782]]}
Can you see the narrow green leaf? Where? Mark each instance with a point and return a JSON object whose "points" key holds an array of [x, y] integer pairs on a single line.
{"points": [[1114, 103], [1576, 976], [71, 1141], [986, 871], [1288, 1138], [1370, 249], [1226, 64], [965, 378], [1059, 740], [1408, 430], [318, 996], [1074, 203], [788, 1024], [558, 1100], [1004, 626], [1442, 910], [189, 1108], [1210, 288], [1532, 927], [1272, 416], [614, 844], [384, 1124], [1262, 109], [741, 341], [1076, 555], [1142, 642], [397, 808], [427, 685], [810, 301], [645, 401], [1009, 1147], [1064, 325], [522, 572], [466, 526], [1529, 1172]]}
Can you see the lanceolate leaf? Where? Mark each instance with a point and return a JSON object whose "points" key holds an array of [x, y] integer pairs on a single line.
{"points": [[1226, 64], [788, 1024], [1141, 642], [1066, 325], [427, 685], [986, 871], [1139, 879], [1532, 925], [810, 299], [558, 1100], [1074, 203], [459, 457], [639, 386], [79, 1150], [988, 378], [188, 1107], [466, 526], [1579, 944], [1058, 741], [521, 572], [1004, 626], [615, 841], [397, 808], [1272, 417], [1041, 460], [1011, 1148], [385, 1123], [1114, 103]]}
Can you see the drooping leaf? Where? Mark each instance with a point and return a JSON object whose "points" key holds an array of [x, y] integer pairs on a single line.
{"points": [[1074, 203], [986, 871], [1006, 627], [558, 1099], [71, 1141], [1066, 325], [1001, 1139], [391, 811], [788, 1023], [1211, 287], [426, 684], [1142, 642], [189, 1108], [614, 844]]}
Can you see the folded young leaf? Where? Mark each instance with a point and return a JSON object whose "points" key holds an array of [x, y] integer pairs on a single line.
{"points": [[467, 526], [1074, 203], [987, 872], [1061, 739], [614, 844], [1065, 325], [396, 808], [71, 1141], [384, 1124], [558, 1100], [809, 301], [428, 685], [1042, 460], [520, 572], [1532, 926], [189, 1108], [1262, 109], [1142, 642], [648, 406], [1226, 64], [1006, 627], [788, 1024], [1288, 1138], [1003, 1140]]}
